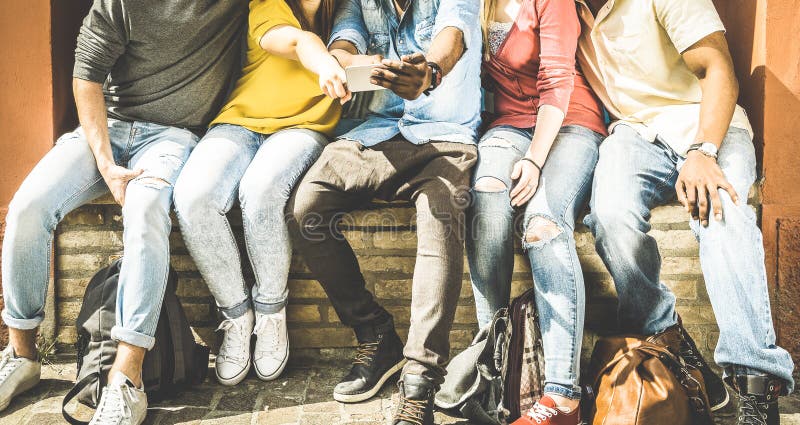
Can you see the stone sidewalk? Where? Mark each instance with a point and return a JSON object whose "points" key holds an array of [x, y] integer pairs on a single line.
{"points": [[301, 396]]}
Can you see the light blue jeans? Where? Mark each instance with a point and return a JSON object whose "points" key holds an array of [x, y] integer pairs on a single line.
{"points": [[558, 281], [633, 176], [230, 163], [66, 178]]}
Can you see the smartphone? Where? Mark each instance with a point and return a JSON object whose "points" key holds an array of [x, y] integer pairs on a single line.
{"points": [[358, 78]]}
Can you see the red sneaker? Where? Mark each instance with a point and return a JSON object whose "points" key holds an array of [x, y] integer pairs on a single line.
{"points": [[544, 412]]}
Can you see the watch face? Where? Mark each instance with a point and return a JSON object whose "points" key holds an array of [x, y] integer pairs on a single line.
{"points": [[709, 147]]}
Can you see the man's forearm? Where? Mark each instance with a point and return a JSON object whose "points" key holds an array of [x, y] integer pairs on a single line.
{"points": [[446, 49], [94, 119], [720, 93], [711, 62]]}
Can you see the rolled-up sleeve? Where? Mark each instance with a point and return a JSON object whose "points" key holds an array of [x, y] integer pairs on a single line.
{"points": [[688, 21], [460, 14], [559, 30], [349, 26], [101, 41]]}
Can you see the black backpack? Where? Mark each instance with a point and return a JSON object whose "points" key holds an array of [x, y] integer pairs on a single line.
{"points": [[175, 363]]}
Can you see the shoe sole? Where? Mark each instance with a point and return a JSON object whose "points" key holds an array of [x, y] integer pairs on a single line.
{"points": [[722, 404], [236, 379], [357, 398], [277, 373], [27, 386]]}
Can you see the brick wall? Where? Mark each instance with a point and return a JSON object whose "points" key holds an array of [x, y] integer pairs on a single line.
{"points": [[385, 241]]}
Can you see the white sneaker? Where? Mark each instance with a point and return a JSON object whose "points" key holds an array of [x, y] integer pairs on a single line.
{"points": [[233, 360], [272, 345], [17, 375], [121, 404]]}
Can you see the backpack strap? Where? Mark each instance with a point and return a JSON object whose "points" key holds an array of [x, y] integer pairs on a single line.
{"points": [[79, 386], [175, 322]]}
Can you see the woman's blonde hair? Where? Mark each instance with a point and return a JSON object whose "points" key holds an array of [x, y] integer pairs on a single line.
{"points": [[323, 20], [487, 15]]}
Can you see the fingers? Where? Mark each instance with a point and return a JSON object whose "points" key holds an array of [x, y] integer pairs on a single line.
{"points": [[347, 97], [326, 90], [398, 67], [517, 171], [702, 203], [716, 204], [338, 88], [132, 174], [680, 190], [523, 183], [691, 200], [388, 75], [524, 194], [416, 58], [726, 186]]}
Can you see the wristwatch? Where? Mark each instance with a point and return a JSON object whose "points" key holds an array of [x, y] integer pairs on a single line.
{"points": [[706, 148], [436, 77]]}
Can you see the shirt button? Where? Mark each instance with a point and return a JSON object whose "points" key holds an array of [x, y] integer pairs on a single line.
{"points": [[400, 41]]}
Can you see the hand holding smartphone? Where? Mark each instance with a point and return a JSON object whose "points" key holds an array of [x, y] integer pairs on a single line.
{"points": [[358, 78]]}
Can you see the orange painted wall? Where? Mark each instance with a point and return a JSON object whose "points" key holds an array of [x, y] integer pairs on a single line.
{"points": [[781, 166], [26, 84]]}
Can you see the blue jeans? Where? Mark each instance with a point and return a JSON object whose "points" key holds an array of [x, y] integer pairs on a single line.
{"points": [[550, 215], [66, 178], [633, 176], [230, 163]]}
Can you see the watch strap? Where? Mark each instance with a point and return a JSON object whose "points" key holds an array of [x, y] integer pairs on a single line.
{"points": [[436, 77]]}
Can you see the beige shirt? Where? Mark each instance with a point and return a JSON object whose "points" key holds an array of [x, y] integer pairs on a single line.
{"points": [[631, 55]]}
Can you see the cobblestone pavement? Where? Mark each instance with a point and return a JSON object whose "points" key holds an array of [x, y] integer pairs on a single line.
{"points": [[301, 396]]}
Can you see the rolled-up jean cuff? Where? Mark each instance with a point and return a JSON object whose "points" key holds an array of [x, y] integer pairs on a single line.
{"points": [[132, 337], [268, 308], [236, 311], [572, 393], [22, 324]]}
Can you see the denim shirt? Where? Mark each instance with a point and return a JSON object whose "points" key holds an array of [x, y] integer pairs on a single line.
{"points": [[451, 113]]}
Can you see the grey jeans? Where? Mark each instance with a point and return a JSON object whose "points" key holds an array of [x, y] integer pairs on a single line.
{"points": [[435, 176]]}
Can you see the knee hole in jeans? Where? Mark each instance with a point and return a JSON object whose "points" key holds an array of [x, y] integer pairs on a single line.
{"points": [[490, 184], [539, 231]]}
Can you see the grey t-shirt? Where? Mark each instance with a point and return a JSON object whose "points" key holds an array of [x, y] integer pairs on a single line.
{"points": [[169, 62]]}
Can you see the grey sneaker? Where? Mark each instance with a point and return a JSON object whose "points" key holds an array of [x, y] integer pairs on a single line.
{"points": [[121, 404], [17, 375]]}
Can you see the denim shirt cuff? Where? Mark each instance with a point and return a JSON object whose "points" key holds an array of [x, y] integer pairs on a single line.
{"points": [[353, 36]]}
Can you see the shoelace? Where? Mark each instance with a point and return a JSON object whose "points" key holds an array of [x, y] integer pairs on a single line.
{"points": [[233, 338], [7, 364], [540, 413], [411, 410], [268, 328], [749, 411], [365, 353], [112, 408]]}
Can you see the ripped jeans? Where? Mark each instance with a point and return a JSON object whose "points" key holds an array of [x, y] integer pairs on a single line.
{"points": [[548, 221], [66, 178]]}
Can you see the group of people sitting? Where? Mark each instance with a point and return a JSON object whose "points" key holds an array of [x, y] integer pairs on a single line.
{"points": [[482, 112]]}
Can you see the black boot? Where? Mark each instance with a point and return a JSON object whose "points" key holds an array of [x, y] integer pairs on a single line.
{"points": [[415, 406], [715, 388], [758, 399], [379, 356]]}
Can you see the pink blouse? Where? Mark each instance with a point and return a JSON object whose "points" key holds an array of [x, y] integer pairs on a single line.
{"points": [[536, 66]]}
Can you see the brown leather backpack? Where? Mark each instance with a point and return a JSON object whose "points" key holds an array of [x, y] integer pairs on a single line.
{"points": [[640, 381]]}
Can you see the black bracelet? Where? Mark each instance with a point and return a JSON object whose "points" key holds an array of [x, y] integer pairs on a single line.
{"points": [[525, 158]]}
